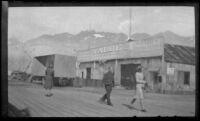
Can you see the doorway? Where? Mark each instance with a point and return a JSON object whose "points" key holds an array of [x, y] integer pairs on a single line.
{"points": [[128, 75], [88, 76], [155, 79]]}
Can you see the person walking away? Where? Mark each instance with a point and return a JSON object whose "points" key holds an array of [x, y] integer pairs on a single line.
{"points": [[48, 85], [108, 80], [139, 85]]}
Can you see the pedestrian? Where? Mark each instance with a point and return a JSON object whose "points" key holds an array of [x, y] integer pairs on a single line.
{"points": [[108, 80], [48, 85], [139, 85]]}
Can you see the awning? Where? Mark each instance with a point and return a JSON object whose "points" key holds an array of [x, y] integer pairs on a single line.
{"points": [[44, 60]]}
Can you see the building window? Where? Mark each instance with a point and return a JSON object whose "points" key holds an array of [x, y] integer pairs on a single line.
{"points": [[183, 78], [186, 78]]}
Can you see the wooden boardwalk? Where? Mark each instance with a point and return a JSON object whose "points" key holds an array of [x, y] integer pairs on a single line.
{"points": [[82, 102]]}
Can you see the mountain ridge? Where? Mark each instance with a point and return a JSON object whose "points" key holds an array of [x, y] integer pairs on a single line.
{"points": [[66, 43]]}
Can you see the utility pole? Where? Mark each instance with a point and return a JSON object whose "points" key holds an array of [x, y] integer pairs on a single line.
{"points": [[130, 23]]}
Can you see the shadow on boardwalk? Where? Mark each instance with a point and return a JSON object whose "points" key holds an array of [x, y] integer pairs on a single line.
{"points": [[131, 107], [15, 112]]}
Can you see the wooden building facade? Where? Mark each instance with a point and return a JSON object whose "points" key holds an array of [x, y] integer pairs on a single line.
{"points": [[166, 66]]}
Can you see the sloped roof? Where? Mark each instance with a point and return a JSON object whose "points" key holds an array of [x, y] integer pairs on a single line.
{"points": [[64, 65], [179, 54], [45, 59]]}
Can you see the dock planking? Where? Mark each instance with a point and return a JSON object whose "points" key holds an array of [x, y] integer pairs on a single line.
{"points": [[74, 102]]}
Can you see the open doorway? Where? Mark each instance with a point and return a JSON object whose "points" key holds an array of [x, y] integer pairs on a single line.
{"points": [[128, 75], [155, 79], [88, 76]]}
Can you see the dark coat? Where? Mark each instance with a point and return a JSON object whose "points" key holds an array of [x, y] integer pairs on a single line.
{"points": [[108, 78], [49, 78]]}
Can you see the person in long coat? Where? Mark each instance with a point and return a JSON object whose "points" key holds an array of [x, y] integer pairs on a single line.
{"points": [[48, 85], [108, 80], [139, 85]]}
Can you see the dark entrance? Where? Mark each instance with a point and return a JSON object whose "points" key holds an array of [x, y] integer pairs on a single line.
{"points": [[128, 75], [186, 78], [88, 76], [156, 79]]}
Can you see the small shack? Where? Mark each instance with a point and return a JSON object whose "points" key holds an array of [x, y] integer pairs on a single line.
{"points": [[64, 68]]}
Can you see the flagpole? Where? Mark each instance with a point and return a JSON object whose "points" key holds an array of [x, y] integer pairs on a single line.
{"points": [[130, 17]]}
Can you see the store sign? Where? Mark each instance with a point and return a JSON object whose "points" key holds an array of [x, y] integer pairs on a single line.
{"points": [[107, 49], [170, 71]]}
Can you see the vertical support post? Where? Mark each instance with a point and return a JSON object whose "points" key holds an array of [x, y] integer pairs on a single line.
{"points": [[163, 69], [117, 75], [77, 69]]}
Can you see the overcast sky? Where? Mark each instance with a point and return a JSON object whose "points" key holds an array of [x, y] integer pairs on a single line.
{"points": [[26, 23]]}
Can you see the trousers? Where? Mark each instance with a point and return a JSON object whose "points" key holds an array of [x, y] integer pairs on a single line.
{"points": [[108, 89]]}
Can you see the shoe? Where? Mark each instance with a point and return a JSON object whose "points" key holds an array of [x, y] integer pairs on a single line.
{"points": [[50, 94], [101, 101], [133, 101], [47, 95], [110, 104], [144, 110]]}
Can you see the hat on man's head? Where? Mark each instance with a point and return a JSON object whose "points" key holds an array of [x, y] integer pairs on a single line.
{"points": [[139, 68]]}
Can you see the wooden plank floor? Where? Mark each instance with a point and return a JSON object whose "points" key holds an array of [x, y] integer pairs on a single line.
{"points": [[82, 102]]}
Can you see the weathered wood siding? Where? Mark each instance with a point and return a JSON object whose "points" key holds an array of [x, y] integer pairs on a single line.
{"points": [[179, 82]]}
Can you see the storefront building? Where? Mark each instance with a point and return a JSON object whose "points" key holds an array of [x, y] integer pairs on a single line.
{"points": [[166, 66]]}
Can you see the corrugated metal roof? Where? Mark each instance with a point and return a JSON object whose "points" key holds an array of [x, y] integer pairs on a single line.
{"points": [[179, 54]]}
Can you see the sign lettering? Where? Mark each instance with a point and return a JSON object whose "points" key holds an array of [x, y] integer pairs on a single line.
{"points": [[106, 49]]}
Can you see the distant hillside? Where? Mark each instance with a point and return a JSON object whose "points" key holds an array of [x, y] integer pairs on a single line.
{"points": [[172, 38], [140, 36], [66, 43], [17, 58]]}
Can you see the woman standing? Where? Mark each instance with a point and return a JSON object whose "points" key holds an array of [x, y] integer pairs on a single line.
{"points": [[139, 85], [49, 80]]}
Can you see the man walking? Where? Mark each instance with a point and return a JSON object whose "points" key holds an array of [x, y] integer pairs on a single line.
{"points": [[139, 85], [108, 80]]}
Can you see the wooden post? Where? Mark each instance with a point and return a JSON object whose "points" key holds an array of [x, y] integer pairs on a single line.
{"points": [[117, 80], [163, 69]]}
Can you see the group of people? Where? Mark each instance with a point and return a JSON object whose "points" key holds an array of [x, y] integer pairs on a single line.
{"points": [[108, 81]]}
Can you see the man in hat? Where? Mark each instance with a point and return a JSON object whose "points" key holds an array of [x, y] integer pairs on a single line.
{"points": [[139, 85], [108, 80]]}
